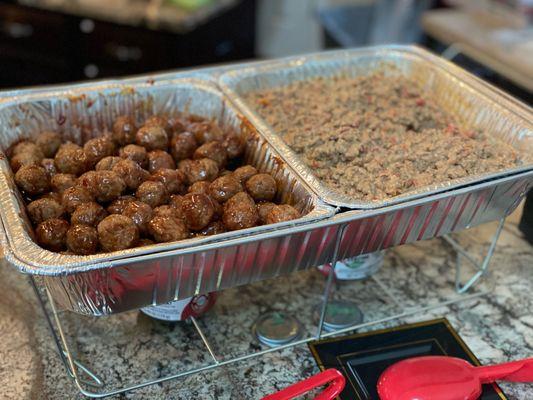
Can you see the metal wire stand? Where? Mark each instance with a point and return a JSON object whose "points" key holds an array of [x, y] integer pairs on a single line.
{"points": [[83, 376]]}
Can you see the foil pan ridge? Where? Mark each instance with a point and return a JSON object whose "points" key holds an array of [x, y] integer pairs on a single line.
{"points": [[506, 118]]}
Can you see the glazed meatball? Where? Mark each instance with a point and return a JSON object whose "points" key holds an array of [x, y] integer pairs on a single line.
{"points": [[98, 148], [32, 180], [61, 182], [244, 173], [89, 213], [140, 213], [263, 209], [175, 201], [135, 153], [45, 208], [214, 151], [152, 137], [49, 143], [52, 234], [214, 228], [118, 205], [152, 193], [71, 160], [82, 239], [49, 165], [108, 186], [240, 212], [201, 170], [24, 159], [182, 146], [52, 195], [123, 130], [27, 147], [198, 210], [167, 211], [261, 187], [174, 180], [281, 213], [74, 196], [167, 229], [206, 132], [117, 232], [107, 163], [224, 187], [131, 173], [88, 181], [234, 146], [160, 159], [199, 187], [68, 146], [158, 120]]}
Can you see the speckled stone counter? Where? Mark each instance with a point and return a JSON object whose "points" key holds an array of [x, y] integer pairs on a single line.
{"points": [[126, 348]]}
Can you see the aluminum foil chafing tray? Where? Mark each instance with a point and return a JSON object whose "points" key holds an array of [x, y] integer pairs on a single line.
{"points": [[81, 113], [473, 102]]}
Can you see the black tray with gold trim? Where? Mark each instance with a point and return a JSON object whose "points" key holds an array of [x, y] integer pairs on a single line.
{"points": [[364, 356]]}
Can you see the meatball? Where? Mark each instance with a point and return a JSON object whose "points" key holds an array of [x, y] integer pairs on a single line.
{"points": [[98, 148], [32, 180], [261, 187], [82, 239], [61, 182], [160, 159], [27, 147], [214, 151], [167, 229], [49, 143], [224, 187], [131, 173], [140, 213], [74, 196], [88, 181], [240, 212], [24, 159], [201, 170], [45, 208], [49, 165], [182, 146], [199, 187], [118, 205], [153, 137], [68, 146], [158, 120], [206, 132], [107, 163], [71, 160], [244, 173], [234, 146], [117, 232], [89, 213], [123, 130], [135, 153], [52, 234], [108, 186], [214, 228], [175, 201], [152, 193], [167, 211], [281, 213], [174, 180], [197, 209], [263, 209]]}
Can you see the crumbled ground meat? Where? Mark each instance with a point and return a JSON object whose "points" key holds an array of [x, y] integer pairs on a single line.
{"points": [[374, 137]]}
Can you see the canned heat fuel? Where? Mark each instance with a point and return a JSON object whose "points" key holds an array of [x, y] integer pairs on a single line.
{"points": [[182, 309], [354, 268]]}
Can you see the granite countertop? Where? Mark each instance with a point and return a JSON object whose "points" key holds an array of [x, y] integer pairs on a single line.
{"points": [[124, 348]]}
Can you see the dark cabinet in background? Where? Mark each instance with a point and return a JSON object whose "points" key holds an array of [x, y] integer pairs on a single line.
{"points": [[40, 47]]}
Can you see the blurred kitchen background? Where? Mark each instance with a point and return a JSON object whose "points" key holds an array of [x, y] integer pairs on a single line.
{"points": [[52, 41]]}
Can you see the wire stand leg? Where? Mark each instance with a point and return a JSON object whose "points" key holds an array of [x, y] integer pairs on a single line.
{"points": [[482, 268], [327, 290]]}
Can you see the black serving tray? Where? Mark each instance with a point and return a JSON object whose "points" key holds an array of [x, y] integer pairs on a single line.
{"points": [[364, 356]]}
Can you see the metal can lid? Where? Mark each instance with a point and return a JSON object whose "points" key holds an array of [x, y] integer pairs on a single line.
{"points": [[276, 328], [339, 314]]}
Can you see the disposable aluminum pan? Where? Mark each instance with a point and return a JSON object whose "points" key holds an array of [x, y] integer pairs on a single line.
{"points": [[81, 114], [456, 91]]}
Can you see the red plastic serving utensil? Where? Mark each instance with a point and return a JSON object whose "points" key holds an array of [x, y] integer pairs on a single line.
{"points": [[332, 376], [446, 378]]}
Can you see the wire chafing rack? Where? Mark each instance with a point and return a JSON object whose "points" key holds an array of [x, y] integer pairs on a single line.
{"points": [[94, 386]]}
